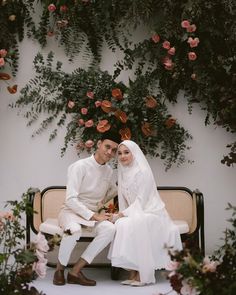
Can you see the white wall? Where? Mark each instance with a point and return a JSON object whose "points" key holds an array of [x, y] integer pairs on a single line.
{"points": [[35, 162]]}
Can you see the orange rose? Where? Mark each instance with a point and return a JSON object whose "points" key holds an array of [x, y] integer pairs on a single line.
{"points": [[117, 94], [125, 133], [12, 89], [147, 129], [4, 76], [120, 115], [151, 102], [106, 106], [103, 126], [170, 122]]}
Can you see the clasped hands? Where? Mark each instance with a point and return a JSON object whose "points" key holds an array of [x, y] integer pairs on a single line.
{"points": [[112, 217]]}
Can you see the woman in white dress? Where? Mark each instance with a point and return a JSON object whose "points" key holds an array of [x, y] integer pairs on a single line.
{"points": [[143, 226]]}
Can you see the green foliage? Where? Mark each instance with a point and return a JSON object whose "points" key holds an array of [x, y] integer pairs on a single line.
{"points": [[208, 275], [87, 98]]}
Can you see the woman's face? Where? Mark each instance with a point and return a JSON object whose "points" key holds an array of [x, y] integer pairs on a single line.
{"points": [[125, 156]]}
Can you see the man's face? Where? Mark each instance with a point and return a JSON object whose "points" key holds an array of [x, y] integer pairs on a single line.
{"points": [[106, 150]]}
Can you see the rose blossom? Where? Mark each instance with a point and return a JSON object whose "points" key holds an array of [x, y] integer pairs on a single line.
{"points": [[81, 122], [166, 45], [12, 17], [51, 7], [63, 8], [70, 104], [98, 103], [185, 24], [167, 62], [2, 61], [208, 265], [193, 76], [90, 94], [192, 28], [41, 243], [89, 144], [3, 52], [89, 123], [173, 265], [40, 268], [155, 38], [84, 111], [187, 289], [193, 42], [171, 51], [192, 55]]}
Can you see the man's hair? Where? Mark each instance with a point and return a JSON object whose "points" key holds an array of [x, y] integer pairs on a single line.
{"points": [[111, 135]]}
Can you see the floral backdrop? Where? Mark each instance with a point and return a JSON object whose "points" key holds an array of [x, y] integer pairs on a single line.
{"points": [[190, 48]]}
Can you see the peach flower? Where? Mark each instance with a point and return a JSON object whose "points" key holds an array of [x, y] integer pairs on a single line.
{"points": [[171, 51], [170, 122], [84, 111], [89, 144], [106, 106], [185, 24], [166, 45], [81, 122], [193, 42], [192, 28], [2, 61], [90, 94], [117, 94], [70, 104], [193, 76], [4, 76], [12, 17], [155, 38], [151, 102], [12, 89], [89, 123], [103, 126], [147, 129], [3, 52], [192, 55]]}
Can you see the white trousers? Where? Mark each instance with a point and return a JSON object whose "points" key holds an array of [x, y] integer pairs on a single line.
{"points": [[104, 234]]}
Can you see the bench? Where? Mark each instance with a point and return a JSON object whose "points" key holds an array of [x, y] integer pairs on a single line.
{"points": [[185, 207]]}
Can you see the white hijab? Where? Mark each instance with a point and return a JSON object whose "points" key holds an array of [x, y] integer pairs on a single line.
{"points": [[126, 177]]}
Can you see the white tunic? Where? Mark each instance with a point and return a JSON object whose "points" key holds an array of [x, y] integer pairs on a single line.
{"points": [[88, 183]]}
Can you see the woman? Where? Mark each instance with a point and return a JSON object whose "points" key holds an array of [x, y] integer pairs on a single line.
{"points": [[143, 226]]}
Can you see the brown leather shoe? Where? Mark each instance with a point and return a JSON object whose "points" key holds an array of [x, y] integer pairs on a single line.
{"points": [[59, 278], [80, 279]]}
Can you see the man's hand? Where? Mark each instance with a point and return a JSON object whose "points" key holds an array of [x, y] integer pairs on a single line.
{"points": [[100, 217]]}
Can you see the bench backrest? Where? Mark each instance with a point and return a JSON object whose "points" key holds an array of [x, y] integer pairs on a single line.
{"points": [[180, 203]]}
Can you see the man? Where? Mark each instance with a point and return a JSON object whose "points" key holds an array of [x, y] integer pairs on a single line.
{"points": [[89, 182]]}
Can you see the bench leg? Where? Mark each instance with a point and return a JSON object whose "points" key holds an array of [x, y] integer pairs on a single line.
{"points": [[115, 272]]}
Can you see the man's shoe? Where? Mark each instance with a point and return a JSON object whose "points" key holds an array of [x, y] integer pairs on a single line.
{"points": [[80, 279], [59, 278]]}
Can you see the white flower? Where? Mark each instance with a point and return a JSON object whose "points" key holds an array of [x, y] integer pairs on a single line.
{"points": [[41, 243], [188, 289]]}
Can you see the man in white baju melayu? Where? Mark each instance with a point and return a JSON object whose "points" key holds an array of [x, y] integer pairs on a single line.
{"points": [[89, 182], [143, 226]]}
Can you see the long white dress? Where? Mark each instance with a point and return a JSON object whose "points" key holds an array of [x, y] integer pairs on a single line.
{"points": [[145, 231]]}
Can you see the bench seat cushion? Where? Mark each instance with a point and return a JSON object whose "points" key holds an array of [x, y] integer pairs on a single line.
{"points": [[50, 226]]}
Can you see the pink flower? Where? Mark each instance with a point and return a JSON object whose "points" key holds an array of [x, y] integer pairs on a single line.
{"points": [[63, 8], [84, 111], [192, 55], [185, 24], [173, 265], [167, 62], [187, 289], [166, 45], [51, 7], [208, 265], [3, 52], [98, 103], [155, 38], [50, 33], [70, 104], [193, 76], [81, 122], [171, 51], [89, 123], [2, 61], [40, 268], [90, 94], [89, 144], [192, 28], [193, 42], [41, 243]]}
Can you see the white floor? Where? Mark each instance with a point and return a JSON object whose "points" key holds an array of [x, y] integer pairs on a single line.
{"points": [[104, 285]]}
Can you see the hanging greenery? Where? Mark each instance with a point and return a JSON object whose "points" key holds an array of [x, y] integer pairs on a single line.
{"points": [[91, 102], [190, 47]]}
